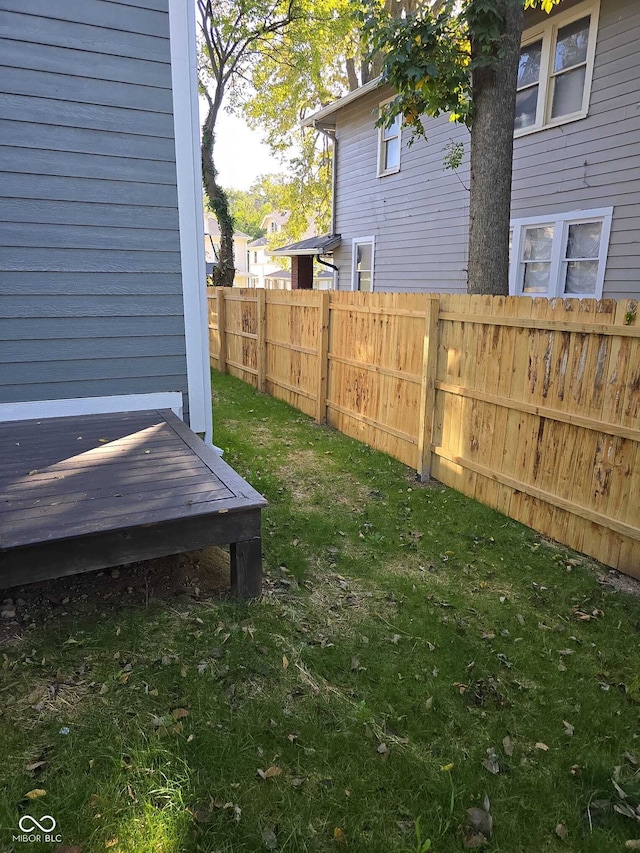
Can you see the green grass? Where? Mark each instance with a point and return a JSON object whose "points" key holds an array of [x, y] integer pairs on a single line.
{"points": [[405, 631]]}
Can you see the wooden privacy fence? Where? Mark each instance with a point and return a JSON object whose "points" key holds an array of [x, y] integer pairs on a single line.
{"points": [[531, 406]]}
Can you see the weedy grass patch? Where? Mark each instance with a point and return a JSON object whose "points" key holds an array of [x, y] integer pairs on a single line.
{"points": [[421, 673]]}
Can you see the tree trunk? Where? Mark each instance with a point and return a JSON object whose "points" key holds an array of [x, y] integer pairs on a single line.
{"points": [[224, 271], [494, 97]]}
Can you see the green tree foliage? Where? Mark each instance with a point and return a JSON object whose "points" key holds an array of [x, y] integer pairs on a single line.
{"points": [[461, 57], [234, 36]]}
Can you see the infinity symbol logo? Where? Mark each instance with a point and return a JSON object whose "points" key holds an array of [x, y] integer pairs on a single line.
{"points": [[27, 823]]}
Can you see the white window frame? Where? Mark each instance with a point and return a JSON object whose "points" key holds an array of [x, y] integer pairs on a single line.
{"points": [[560, 223], [548, 31], [359, 241], [382, 172]]}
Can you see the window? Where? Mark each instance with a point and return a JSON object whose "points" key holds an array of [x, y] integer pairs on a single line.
{"points": [[362, 264], [562, 255], [389, 143], [556, 66]]}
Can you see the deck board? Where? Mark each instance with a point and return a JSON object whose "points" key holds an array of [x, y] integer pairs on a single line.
{"points": [[118, 487]]}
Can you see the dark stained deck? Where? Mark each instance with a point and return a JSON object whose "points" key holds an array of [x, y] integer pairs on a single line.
{"points": [[94, 491]]}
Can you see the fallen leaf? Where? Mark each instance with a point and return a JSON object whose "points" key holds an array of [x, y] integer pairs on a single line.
{"points": [[285, 662], [270, 772], [112, 841], [491, 763], [33, 795], [297, 782], [339, 836], [632, 844], [270, 839], [35, 765], [355, 664], [179, 713], [428, 703], [542, 746], [561, 831], [507, 745], [568, 728], [462, 688], [383, 749]]}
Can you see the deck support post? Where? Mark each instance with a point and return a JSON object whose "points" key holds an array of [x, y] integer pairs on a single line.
{"points": [[246, 568]]}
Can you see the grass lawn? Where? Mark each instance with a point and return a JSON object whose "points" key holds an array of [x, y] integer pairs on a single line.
{"points": [[414, 653]]}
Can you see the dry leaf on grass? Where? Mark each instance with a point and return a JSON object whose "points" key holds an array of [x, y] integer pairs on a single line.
{"points": [[542, 746], [561, 831], [179, 713], [339, 836], [33, 795], [270, 772]]}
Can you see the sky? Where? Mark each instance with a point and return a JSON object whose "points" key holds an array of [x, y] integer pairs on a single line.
{"points": [[241, 156]]}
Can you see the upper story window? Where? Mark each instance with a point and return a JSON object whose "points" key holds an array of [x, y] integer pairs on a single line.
{"points": [[362, 264], [389, 144], [556, 67], [560, 255], [274, 227]]}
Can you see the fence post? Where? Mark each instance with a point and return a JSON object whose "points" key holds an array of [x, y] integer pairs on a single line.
{"points": [[261, 343], [428, 389], [323, 356], [222, 330]]}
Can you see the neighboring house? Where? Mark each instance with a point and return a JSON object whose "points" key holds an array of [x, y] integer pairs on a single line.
{"points": [[240, 250], [278, 280], [265, 262], [401, 218], [261, 264], [102, 304]]}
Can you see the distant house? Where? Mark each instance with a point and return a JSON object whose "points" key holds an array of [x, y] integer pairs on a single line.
{"points": [[240, 250], [401, 218], [102, 304], [261, 264], [265, 262]]}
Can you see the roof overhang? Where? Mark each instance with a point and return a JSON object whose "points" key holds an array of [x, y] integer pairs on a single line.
{"points": [[311, 246], [324, 119]]}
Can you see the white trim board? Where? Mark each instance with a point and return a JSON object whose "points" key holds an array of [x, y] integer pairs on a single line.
{"points": [[41, 409], [182, 25]]}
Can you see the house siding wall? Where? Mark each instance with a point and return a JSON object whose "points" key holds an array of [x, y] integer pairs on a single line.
{"points": [[90, 272], [419, 215]]}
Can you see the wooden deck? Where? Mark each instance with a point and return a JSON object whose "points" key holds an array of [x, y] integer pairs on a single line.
{"points": [[94, 491]]}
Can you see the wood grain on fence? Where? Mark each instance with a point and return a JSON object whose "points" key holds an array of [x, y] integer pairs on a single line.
{"points": [[531, 406]]}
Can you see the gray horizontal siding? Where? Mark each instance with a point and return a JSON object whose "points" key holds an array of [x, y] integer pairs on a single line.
{"points": [[98, 14], [81, 237], [115, 41], [33, 328], [72, 307], [91, 350], [419, 216], [74, 165], [78, 189], [21, 134], [90, 276], [65, 213], [21, 81], [84, 64], [70, 113], [95, 388]]}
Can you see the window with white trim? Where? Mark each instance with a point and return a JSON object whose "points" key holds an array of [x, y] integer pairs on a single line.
{"points": [[556, 67], [560, 255], [389, 144], [362, 264]]}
